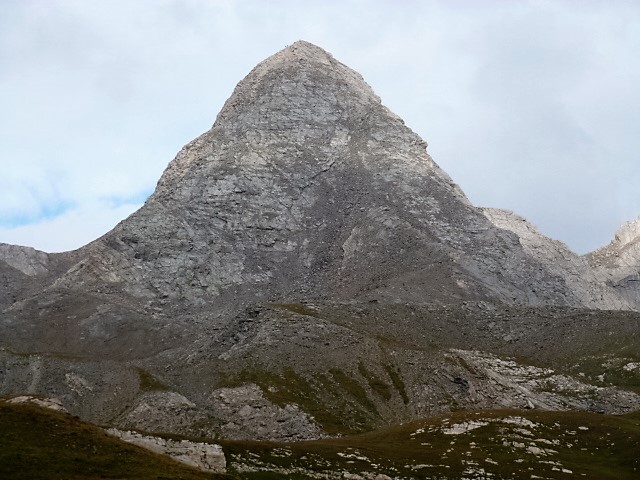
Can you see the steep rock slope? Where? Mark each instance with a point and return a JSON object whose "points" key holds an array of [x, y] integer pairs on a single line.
{"points": [[26, 259], [618, 264]]}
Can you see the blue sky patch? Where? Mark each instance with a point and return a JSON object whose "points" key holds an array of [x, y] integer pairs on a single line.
{"points": [[46, 212]]}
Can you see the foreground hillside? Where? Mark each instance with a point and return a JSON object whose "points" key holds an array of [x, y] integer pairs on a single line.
{"points": [[503, 444], [37, 443]]}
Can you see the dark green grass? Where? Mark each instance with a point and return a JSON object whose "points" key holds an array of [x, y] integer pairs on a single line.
{"points": [[41, 444], [379, 387], [611, 366], [38, 444], [149, 383], [605, 448], [396, 379]]}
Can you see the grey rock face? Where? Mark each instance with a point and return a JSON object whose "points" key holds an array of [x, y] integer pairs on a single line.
{"points": [[618, 264], [578, 276], [26, 259], [163, 411], [50, 403], [249, 415], [308, 187], [18, 266]]}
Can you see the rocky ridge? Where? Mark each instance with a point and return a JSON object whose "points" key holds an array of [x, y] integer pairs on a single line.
{"points": [[28, 260], [618, 264], [575, 270]]}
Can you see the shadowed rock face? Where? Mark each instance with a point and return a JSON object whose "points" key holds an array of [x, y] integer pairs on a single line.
{"points": [[306, 190]]}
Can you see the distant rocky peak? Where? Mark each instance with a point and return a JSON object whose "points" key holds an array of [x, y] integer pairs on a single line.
{"points": [[618, 263], [626, 243], [628, 233], [26, 259], [559, 259]]}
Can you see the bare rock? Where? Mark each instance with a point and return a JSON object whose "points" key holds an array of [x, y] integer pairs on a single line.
{"points": [[307, 186], [204, 456], [26, 259], [249, 415], [579, 278], [618, 264], [50, 403], [164, 412]]}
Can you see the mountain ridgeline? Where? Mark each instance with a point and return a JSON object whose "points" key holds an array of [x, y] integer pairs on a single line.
{"points": [[304, 268]]}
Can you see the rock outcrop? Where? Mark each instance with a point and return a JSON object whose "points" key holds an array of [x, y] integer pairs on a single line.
{"points": [[26, 259], [50, 403], [204, 456], [618, 264], [578, 276]]}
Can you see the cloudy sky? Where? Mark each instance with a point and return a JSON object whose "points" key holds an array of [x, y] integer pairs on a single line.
{"points": [[532, 106]]}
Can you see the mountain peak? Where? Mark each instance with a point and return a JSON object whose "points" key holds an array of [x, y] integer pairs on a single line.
{"points": [[301, 95], [304, 49], [309, 233], [304, 83], [629, 232], [304, 178]]}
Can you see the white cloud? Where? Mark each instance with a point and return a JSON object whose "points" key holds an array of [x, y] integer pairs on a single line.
{"points": [[530, 106], [75, 227]]}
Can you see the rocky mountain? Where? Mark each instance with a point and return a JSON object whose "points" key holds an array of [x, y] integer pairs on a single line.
{"points": [[303, 269], [618, 264]]}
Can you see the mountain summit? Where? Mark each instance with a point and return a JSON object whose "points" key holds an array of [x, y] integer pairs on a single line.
{"points": [[292, 97], [308, 234], [308, 187]]}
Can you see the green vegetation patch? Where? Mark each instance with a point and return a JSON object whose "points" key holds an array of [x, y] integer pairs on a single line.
{"points": [[149, 383], [351, 386], [507, 444], [610, 370], [396, 379], [337, 401], [380, 388]]}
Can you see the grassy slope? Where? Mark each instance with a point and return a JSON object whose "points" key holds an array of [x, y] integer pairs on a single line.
{"points": [[606, 447], [37, 444], [41, 444]]}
